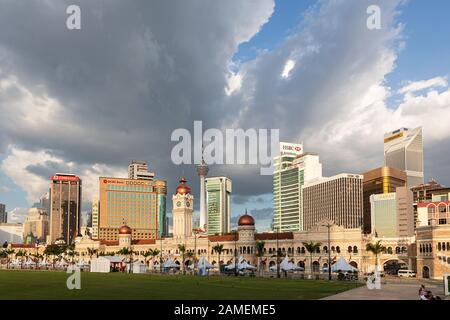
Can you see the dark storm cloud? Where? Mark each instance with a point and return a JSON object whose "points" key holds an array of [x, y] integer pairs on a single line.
{"points": [[133, 73], [48, 169]]}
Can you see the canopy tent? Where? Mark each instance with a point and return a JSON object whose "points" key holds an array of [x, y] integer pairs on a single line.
{"points": [[137, 267], [170, 264], [342, 265], [246, 266], [242, 265], [286, 265], [82, 264], [204, 264], [30, 263], [105, 263]]}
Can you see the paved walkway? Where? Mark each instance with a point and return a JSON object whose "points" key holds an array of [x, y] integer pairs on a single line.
{"points": [[406, 290]]}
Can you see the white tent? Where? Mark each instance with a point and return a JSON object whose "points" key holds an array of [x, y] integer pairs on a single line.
{"points": [[30, 263], [204, 264], [170, 264], [246, 266], [286, 265], [103, 264], [342, 265], [137, 267]]}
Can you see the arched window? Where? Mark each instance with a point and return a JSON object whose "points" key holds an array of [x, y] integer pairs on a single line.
{"points": [[389, 250], [338, 249], [397, 250], [303, 250], [443, 246], [404, 250], [349, 249], [325, 249], [439, 246], [298, 250], [355, 249], [333, 249]]}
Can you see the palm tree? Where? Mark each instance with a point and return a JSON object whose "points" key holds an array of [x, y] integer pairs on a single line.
{"points": [[189, 255], [126, 252], [219, 249], [55, 251], [259, 252], [376, 248], [155, 253], [147, 254], [182, 249], [9, 252], [91, 252], [21, 254], [279, 256], [312, 247], [70, 251]]}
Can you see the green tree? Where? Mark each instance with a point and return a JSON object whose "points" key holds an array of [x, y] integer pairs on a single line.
{"points": [[22, 255], [376, 248], [312, 247], [259, 245], [9, 253], [219, 249], [146, 254], [92, 252], [155, 253], [55, 251], [127, 253], [182, 249]]}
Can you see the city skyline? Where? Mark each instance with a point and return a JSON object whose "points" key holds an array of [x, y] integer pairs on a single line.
{"points": [[394, 83]]}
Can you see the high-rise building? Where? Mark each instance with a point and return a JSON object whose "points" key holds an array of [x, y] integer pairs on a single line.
{"points": [[293, 169], [379, 181], [338, 198], [403, 149], [392, 214], [11, 233], [65, 208], [95, 217], [218, 196], [202, 171], [36, 224], [183, 203], [138, 170], [138, 203], [423, 193], [3, 214]]}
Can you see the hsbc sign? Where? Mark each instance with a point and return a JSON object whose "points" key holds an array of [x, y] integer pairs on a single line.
{"points": [[291, 148]]}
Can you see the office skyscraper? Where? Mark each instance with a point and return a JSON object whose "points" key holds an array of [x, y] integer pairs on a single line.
{"points": [[138, 170], [218, 196], [3, 214], [293, 169], [338, 198], [65, 208], [379, 181], [403, 149], [95, 217], [141, 204]]}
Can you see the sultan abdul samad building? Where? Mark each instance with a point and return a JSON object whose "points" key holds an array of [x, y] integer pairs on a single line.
{"points": [[349, 243]]}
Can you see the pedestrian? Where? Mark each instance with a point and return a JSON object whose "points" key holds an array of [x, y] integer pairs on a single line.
{"points": [[422, 292]]}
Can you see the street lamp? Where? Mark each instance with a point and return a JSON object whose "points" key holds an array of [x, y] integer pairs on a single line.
{"points": [[277, 254], [328, 224], [160, 256], [235, 253], [196, 231]]}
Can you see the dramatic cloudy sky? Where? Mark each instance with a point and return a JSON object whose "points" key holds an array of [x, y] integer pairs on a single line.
{"points": [[89, 101]]}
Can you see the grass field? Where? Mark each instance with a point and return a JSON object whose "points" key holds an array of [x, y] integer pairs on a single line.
{"points": [[16, 284]]}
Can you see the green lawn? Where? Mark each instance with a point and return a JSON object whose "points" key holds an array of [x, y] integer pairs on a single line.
{"points": [[16, 284]]}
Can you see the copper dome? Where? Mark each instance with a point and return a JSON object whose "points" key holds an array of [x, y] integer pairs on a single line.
{"points": [[246, 220], [125, 229], [183, 188]]}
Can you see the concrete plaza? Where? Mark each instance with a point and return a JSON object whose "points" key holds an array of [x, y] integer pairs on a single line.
{"points": [[392, 289]]}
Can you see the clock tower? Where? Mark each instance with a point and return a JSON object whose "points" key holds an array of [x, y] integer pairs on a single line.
{"points": [[183, 207]]}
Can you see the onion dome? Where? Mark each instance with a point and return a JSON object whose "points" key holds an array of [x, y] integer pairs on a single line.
{"points": [[125, 229], [183, 188], [246, 220]]}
